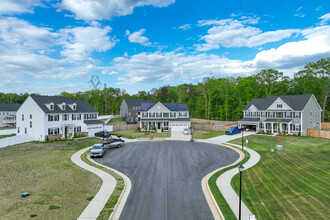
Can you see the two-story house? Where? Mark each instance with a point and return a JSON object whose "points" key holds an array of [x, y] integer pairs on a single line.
{"points": [[290, 114], [52, 116], [130, 108], [164, 116], [8, 114]]}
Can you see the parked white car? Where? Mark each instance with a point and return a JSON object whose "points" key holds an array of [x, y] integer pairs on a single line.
{"points": [[186, 131]]}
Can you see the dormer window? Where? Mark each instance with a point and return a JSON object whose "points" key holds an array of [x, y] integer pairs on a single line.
{"points": [[63, 106], [74, 106], [279, 106], [51, 106]]}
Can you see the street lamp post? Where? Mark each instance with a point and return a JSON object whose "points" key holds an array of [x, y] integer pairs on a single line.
{"points": [[242, 136], [240, 169]]}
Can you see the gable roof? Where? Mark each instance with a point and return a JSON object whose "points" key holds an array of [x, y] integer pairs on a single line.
{"points": [[82, 105], [170, 106], [9, 107], [135, 102], [296, 102]]}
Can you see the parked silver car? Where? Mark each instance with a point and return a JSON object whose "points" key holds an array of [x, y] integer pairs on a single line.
{"points": [[186, 131], [98, 150]]}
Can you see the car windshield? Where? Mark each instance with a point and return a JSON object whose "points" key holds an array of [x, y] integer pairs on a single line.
{"points": [[97, 147], [231, 128], [186, 129]]}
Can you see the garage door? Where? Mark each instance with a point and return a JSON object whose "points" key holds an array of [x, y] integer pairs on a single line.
{"points": [[179, 126], [92, 129]]}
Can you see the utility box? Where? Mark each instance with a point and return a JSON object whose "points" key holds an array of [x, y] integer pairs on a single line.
{"points": [[25, 194], [279, 148]]}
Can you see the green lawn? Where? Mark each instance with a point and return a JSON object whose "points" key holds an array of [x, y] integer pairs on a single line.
{"points": [[116, 121], [199, 134], [59, 189], [294, 184], [132, 134], [6, 135]]}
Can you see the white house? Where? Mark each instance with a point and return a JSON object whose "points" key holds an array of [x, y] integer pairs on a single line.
{"points": [[290, 114], [8, 114], [55, 117], [164, 116]]}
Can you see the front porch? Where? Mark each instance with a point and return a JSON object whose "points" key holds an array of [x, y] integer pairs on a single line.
{"points": [[278, 126], [159, 126]]}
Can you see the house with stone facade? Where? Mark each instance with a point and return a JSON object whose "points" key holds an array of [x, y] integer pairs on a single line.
{"points": [[164, 116], [286, 114], [52, 116]]}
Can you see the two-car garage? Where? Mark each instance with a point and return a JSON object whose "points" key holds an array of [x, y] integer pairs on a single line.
{"points": [[179, 125]]}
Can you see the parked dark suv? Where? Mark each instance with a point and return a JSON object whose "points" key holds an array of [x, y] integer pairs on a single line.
{"points": [[102, 134]]}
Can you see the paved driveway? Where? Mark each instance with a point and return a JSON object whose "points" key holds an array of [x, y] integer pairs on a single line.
{"points": [[166, 177], [225, 138]]}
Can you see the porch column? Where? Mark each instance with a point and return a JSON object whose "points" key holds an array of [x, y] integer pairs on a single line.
{"points": [[63, 131], [148, 125], [281, 127], [289, 128], [72, 131], [271, 127], [264, 127]]}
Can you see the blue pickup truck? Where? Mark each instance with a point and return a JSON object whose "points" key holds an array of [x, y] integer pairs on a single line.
{"points": [[233, 130]]}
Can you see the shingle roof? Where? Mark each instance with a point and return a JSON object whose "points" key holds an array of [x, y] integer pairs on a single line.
{"points": [[82, 105], [9, 107], [170, 106], [135, 102], [296, 102], [250, 119], [92, 122]]}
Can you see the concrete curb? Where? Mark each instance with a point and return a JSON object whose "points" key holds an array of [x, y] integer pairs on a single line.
{"points": [[95, 206], [217, 214], [124, 194]]}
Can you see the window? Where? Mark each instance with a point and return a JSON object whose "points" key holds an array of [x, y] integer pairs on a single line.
{"points": [[296, 114], [17, 129], [22, 117], [288, 115], [65, 117], [76, 117], [129, 113], [25, 130], [50, 117], [145, 114], [311, 113], [158, 114], [30, 116], [296, 127], [279, 106], [165, 115], [56, 117], [63, 106], [74, 107], [52, 131], [51, 106], [264, 114], [77, 129], [172, 114], [90, 116], [315, 114], [183, 114], [30, 124], [151, 115]]}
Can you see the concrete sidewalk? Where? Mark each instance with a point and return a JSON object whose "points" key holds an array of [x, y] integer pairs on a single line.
{"points": [[225, 138], [223, 183], [94, 208]]}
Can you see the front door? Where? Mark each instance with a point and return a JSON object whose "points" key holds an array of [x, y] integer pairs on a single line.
{"points": [[158, 125]]}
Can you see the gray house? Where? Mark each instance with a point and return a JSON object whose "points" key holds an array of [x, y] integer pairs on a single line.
{"points": [[8, 114], [289, 114], [130, 108]]}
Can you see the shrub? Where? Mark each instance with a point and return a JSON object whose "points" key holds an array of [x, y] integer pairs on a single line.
{"points": [[47, 139], [53, 207], [33, 215], [299, 133]]}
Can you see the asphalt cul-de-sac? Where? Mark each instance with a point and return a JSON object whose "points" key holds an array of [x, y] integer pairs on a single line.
{"points": [[166, 177]]}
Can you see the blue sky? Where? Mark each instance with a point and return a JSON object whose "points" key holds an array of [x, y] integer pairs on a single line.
{"points": [[48, 47]]}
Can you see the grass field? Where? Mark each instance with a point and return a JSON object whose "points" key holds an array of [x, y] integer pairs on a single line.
{"points": [[6, 128], [6, 135], [132, 134], [294, 184], [199, 134], [116, 121], [59, 189]]}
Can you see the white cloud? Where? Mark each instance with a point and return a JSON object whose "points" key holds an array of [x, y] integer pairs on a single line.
{"points": [[238, 33], [324, 19], [106, 9], [19, 34], [137, 37], [80, 42], [185, 27], [10, 7], [298, 9]]}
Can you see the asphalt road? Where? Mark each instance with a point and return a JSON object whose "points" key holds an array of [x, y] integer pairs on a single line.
{"points": [[166, 177]]}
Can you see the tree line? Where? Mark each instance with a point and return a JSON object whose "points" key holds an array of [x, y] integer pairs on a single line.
{"points": [[215, 98]]}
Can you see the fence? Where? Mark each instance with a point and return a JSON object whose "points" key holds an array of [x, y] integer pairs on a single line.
{"points": [[5, 142], [123, 127], [7, 131], [318, 133], [325, 125], [211, 125]]}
